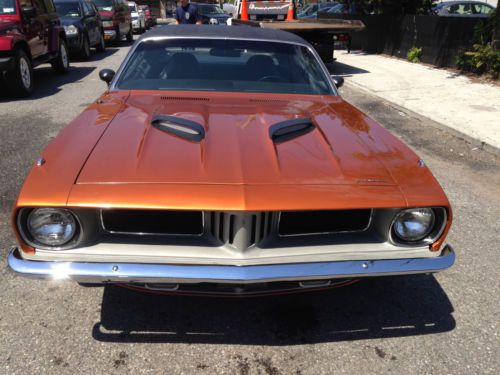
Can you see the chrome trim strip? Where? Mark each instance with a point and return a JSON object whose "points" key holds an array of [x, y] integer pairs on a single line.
{"points": [[168, 273], [329, 79]]}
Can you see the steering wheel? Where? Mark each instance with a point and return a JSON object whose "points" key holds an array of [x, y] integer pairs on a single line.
{"points": [[271, 78]]}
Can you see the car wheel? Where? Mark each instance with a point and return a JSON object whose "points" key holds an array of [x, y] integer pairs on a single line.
{"points": [[20, 79], [60, 64], [130, 36], [85, 51], [101, 46]]}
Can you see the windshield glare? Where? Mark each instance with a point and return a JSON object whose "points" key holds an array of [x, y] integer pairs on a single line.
{"points": [[224, 65], [67, 9], [7, 7], [104, 4]]}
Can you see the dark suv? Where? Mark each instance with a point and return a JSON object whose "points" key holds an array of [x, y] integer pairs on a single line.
{"points": [[30, 34], [83, 26]]}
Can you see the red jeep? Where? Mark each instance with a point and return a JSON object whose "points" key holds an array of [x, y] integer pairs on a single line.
{"points": [[30, 34]]}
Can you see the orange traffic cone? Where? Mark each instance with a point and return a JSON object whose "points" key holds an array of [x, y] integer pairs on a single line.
{"points": [[244, 11], [289, 15]]}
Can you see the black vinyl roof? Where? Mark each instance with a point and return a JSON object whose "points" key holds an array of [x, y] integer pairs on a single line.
{"points": [[221, 32]]}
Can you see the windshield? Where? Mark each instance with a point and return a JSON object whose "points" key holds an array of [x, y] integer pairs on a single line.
{"points": [[104, 4], [7, 7], [67, 9], [224, 65], [210, 9], [132, 8]]}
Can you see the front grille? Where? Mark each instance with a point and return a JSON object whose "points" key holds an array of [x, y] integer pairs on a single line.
{"points": [[154, 222], [293, 223], [240, 229]]}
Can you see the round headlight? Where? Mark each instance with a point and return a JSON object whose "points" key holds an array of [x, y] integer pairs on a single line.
{"points": [[51, 226], [414, 225]]}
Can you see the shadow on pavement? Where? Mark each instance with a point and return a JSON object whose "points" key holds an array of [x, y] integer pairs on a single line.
{"points": [[340, 69], [48, 83], [96, 56], [374, 308]]}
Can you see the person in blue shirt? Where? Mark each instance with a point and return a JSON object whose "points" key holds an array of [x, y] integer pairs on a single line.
{"points": [[187, 13]]}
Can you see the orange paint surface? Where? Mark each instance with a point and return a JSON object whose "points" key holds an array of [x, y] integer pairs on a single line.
{"points": [[111, 156]]}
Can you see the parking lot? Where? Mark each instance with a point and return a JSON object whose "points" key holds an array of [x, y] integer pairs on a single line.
{"points": [[443, 324]]}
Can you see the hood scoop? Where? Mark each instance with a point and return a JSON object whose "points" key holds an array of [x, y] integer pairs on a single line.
{"points": [[290, 129], [180, 127]]}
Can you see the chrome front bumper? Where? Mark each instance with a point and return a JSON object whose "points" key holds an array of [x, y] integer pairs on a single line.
{"points": [[191, 274]]}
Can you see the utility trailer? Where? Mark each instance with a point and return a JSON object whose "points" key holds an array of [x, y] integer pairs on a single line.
{"points": [[322, 34]]}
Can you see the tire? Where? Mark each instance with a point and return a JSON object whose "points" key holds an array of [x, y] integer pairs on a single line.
{"points": [[85, 51], [20, 79], [60, 64], [101, 46], [130, 36]]}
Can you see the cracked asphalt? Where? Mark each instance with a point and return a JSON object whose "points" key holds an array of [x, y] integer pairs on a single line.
{"points": [[446, 323]]}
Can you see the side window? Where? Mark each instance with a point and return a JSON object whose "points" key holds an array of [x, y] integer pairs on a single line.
{"points": [[87, 8], [49, 5], [483, 9]]}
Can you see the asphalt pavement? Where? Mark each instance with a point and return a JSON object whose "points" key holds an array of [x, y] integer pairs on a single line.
{"points": [[446, 323]]}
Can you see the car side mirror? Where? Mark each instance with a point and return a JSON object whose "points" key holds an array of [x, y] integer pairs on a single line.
{"points": [[107, 75], [29, 13], [338, 80], [89, 14]]}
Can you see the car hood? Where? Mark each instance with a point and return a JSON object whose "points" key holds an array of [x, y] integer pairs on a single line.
{"points": [[237, 148], [6, 24]]}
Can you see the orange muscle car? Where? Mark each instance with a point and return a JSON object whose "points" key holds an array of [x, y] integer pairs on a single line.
{"points": [[223, 160]]}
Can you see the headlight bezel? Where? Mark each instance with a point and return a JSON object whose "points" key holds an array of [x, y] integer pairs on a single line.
{"points": [[438, 226], [23, 228]]}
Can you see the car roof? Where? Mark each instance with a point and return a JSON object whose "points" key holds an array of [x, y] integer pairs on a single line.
{"points": [[223, 32]]}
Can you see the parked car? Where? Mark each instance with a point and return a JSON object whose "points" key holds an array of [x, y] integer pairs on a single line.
{"points": [[150, 20], [30, 34], [116, 20], [223, 160], [138, 18], [212, 14], [464, 9], [83, 26]]}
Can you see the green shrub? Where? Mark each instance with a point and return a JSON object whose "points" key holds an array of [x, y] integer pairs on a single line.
{"points": [[482, 60], [414, 54]]}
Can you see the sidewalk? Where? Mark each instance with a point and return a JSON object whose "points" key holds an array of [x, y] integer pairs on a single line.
{"points": [[472, 109]]}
